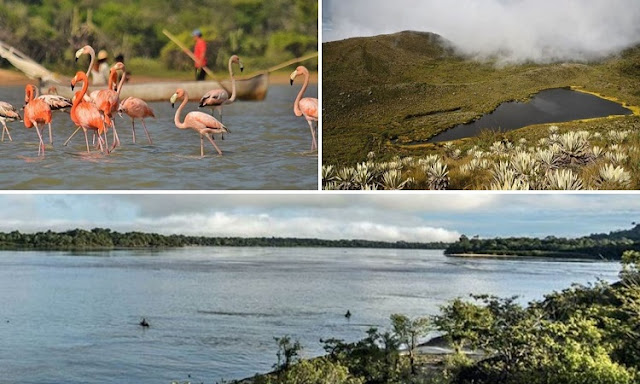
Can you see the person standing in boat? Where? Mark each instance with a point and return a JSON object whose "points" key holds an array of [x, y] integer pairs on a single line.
{"points": [[100, 70], [200, 52]]}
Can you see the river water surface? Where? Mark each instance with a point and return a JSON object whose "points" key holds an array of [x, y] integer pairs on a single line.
{"points": [[73, 318], [268, 148]]}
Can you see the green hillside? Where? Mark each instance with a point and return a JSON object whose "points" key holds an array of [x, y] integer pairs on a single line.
{"points": [[389, 94]]}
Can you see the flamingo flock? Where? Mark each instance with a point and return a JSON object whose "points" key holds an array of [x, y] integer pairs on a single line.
{"points": [[94, 111]]}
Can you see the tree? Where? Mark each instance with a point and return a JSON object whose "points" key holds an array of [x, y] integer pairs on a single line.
{"points": [[408, 332], [288, 352]]}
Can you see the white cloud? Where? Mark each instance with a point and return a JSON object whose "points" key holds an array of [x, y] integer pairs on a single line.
{"points": [[516, 30]]}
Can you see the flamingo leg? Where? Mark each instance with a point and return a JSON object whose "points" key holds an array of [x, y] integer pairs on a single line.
{"points": [[73, 134], [116, 139], [41, 144], [105, 141], [86, 139], [214, 144], [5, 128], [133, 129], [50, 135], [221, 121], [314, 145], [147, 132], [201, 145]]}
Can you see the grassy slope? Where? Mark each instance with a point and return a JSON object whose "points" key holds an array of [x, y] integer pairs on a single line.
{"points": [[385, 92]]}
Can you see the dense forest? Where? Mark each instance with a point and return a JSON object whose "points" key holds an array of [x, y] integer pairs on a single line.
{"points": [[581, 335], [101, 238], [597, 246], [263, 33]]}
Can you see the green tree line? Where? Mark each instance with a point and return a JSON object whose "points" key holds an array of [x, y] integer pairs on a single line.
{"points": [[104, 238], [596, 246], [263, 33]]}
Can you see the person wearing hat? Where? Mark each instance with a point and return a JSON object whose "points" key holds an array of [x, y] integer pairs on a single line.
{"points": [[200, 52], [100, 70]]}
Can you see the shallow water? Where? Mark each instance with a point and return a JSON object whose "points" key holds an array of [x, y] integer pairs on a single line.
{"points": [[268, 148], [549, 106], [73, 318]]}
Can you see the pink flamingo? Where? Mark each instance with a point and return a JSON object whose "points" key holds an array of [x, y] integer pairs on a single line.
{"points": [[85, 114], [107, 100], [204, 124], [136, 109], [55, 103], [216, 98], [8, 113], [307, 107], [36, 112], [87, 49]]}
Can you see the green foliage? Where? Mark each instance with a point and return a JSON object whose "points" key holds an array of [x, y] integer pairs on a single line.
{"points": [[50, 31], [288, 352], [374, 358], [408, 331], [316, 371]]}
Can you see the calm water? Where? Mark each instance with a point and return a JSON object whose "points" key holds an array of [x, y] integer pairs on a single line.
{"points": [[549, 106], [214, 311], [268, 148]]}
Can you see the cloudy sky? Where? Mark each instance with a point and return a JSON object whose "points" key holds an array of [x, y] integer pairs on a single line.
{"points": [[409, 217], [515, 30]]}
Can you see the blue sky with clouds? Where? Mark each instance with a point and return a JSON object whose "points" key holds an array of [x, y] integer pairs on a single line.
{"points": [[410, 217]]}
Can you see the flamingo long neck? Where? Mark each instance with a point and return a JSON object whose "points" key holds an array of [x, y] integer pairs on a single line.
{"points": [[92, 53], [113, 75], [233, 84], [29, 94], [121, 83], [176, 119], [296, 104], [83, 91]]}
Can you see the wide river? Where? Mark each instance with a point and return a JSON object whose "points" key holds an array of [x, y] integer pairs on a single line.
{"points": [[268, 148], [73, 318]]}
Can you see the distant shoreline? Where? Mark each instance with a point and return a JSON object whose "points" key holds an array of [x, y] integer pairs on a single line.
{"points": [[549, 257], [9, 77]]}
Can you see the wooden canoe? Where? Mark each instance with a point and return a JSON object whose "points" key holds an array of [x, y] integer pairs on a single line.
{"points": [[252, 88]]}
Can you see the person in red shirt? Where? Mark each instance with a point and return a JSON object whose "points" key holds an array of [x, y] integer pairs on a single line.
{"points": [[200, 52]]}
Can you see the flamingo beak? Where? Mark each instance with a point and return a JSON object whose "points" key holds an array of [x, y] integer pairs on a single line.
{"points": [[78, 54], [173, 99], [72, 86], [241, 67], [293, 76]]}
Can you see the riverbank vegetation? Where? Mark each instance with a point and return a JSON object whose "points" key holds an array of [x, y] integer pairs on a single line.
{"points": [[386, 96], [582, 335], [105, 239], [262, 33], [597, 246]]}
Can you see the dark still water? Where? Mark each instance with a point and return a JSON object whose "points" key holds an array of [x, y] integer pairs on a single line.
{"points": [[214, 311], [549, 106]]}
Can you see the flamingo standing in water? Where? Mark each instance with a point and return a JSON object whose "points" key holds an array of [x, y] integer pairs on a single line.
{"points": [[216, 98], [136, 109], [85, 114], [36, 112], [204, 124], [307, 107], [107, 100], [55, 103], [8, 113]]}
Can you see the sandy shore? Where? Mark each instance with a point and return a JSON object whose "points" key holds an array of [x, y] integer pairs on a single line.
{"points": [[11, 78]]}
